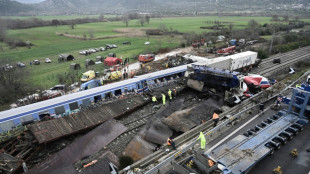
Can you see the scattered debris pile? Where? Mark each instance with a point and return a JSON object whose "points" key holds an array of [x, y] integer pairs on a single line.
{"points": [[90, 143], [8, 163]]}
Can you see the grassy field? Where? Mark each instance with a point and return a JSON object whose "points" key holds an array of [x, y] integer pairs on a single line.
{"points": [[48, 44]]}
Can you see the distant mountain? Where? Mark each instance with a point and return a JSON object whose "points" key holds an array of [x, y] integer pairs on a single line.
{"points": [[50, 7], [29, 1], [8, 7]]}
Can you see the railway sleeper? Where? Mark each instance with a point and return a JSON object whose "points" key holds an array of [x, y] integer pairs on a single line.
{"points": [[298, 126], [296, 129], [271, 146], [276, 143], [293, 131], [275, 117], [281, 139], [269, 120], [284, 136], [266, 123], [288, 133]]}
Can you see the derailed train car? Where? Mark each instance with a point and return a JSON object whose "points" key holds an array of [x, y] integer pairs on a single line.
{"points": [[63, 104]]}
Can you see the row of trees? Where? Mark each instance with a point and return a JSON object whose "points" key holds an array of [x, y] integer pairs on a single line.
{"points": [[285, 18], [142, 19]]}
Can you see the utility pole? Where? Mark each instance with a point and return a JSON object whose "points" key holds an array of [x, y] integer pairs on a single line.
{"points": [[272, 41]]}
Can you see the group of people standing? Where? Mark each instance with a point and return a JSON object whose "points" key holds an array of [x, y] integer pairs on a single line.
{"points": [[163, 97]]}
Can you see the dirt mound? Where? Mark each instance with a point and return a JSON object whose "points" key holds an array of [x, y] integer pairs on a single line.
{"points": [[124, 32]]}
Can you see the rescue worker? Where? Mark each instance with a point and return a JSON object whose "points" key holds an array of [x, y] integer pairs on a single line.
{"points": [[261, 107], [175, 93], [294, 153], [298, 85], [277, 170], [170, 94], [154, 100], [164, 98], [215, 118], [202, 140], [171, 143]]}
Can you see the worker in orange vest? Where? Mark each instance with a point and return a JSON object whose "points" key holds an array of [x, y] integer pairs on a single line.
{"points": [[215, 118], [170, 142]]}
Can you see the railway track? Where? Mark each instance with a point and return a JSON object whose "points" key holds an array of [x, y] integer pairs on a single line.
{"points": [[266, 67], [137, 123]]}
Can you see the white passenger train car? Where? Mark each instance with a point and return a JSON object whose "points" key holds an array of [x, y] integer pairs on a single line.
{"points": [[60, 105]]}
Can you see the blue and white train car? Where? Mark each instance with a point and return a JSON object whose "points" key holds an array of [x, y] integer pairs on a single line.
{"points": [[57, 106]]}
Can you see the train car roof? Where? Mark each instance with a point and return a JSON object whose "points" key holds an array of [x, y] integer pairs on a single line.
{"points": [[70, 98], [163, 73], [60, 101]]}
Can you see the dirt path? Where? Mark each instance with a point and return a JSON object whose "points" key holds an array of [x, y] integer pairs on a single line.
{"points": [[123, 32], [136, 65]]}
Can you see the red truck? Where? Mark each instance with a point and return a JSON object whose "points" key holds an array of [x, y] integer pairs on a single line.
{"points": [[226, 51], [146, 58]]}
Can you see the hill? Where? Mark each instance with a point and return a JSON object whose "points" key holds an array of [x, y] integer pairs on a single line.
{"points": [[8, 7], [170, 7]]}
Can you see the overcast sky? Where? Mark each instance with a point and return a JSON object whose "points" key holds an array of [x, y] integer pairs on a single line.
{"points": [[29, 1]]}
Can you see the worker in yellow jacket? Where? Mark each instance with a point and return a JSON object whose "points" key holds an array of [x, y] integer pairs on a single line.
{"points": [[202, 140], [154, 100], [170, 94], [164, 98]]}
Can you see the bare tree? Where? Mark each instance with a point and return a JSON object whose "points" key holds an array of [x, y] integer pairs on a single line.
{"points": [[230, 27], [163, 27], [72, 25], [3, 30], [296, 18], [189, 37], [101, 17], [141, 20], [285, 18], [28, 43], [55, 22], [148, 18], [253, 24], [126, 19], [275, 18], [91, 33]]}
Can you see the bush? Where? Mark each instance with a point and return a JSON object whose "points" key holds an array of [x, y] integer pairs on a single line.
{"points": [[153, 32], [125, 161], [262, 54]]}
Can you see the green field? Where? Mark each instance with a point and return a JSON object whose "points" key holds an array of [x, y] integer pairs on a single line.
{"points": [[48, 44]]}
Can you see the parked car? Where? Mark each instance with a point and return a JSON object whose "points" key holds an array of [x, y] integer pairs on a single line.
{"points": [[92, 50], [108, 46], [7, 67], [36, 62], [147, 43], [21, 65], [127, 43], [83, 52], [96, 49], [48, 60], [101, 48], [58, 87], [114, 46]]}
